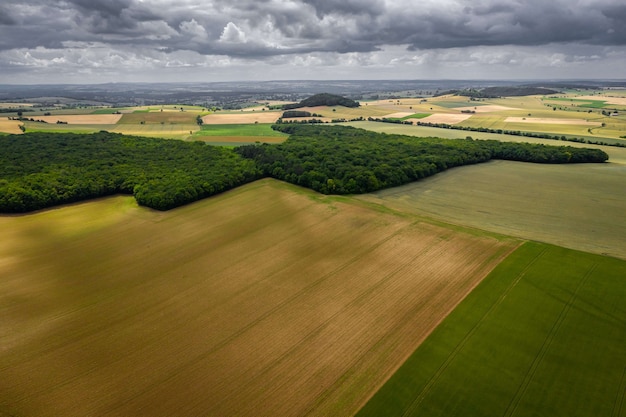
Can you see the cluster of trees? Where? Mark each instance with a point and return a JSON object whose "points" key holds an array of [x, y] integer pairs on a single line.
{"points": [[39, 170], [299, 113], [346, 160], [323, 99]]}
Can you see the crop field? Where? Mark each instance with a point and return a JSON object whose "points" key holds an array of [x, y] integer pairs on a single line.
{"points": [[9, 126], [239, 134], [165, 117], [241, 118], [83, 119], [576, 206], [265, 300], [543, 334]]}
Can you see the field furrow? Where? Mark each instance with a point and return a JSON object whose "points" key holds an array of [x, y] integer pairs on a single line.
{"points": [[266, 300]]}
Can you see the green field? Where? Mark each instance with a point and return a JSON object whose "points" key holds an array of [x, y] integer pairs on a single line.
{"points": [[261, 129], [579, 206], [593, 104], [238, 134], [543, 334]]}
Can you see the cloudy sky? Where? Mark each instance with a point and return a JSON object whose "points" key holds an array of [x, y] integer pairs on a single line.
{"points": [[96, 41]]}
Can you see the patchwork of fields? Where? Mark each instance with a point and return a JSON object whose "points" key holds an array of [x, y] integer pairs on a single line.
{"points": [[273, 300], [266, 300]]}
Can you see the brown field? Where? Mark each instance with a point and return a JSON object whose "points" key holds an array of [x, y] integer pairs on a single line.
{"points": [[541, 120], [83, 119], [266, 300], [241, 118], [10, 126], [446, 118], [158, 117]]}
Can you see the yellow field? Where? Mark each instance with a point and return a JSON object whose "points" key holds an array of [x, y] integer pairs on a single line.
{"points": [[266, 300], [549, 121], [6, 105], [83, 119], [446, 118], [10, 126], [606, 97], [241, 118]]}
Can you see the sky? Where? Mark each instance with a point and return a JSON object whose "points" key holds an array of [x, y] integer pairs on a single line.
{"points": [[101, 41]]}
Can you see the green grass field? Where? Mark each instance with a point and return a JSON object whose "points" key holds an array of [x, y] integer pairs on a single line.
{"points": [[261, 129], [238, 134], [543, 334]]}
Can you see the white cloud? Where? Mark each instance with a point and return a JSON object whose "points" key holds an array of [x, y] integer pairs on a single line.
{"points": [[232, 34]]}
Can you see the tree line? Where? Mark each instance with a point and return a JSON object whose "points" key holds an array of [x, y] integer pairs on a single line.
{"points": [[346, 160], [39, 170]]}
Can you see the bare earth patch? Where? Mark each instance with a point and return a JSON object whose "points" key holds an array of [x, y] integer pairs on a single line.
{"points": [[10, 126], [264, 301], [83, 119], [241, 118], [446, 118], [541, 120]]}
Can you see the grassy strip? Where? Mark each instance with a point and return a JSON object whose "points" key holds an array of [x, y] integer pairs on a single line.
{"points": [[594, 104], [259, 129], [543, 333]]}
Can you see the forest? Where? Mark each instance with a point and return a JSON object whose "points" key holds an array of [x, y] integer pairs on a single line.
{"points": [[39, 170], [323, 99], [347, 160]]}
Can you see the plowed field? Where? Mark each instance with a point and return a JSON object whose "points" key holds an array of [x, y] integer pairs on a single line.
{"points": [[266, 300]]}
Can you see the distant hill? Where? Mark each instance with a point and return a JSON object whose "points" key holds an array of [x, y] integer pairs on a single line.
{"points": [[323, 99], [494, 92]]}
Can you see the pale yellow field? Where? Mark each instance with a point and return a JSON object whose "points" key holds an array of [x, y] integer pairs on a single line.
{"points": [[489, 108], [541, 120], [83, 119], [399, 115], [264, 301], [608, 98], [446, 118], [241, 118], [5, 105], [10, 126]]}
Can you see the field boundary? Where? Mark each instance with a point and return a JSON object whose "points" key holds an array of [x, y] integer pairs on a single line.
{"points": [[468, 335]]}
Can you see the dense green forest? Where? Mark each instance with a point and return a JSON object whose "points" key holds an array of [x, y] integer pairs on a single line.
{"points": [[323, 99], [346, 160], [39, 170]]}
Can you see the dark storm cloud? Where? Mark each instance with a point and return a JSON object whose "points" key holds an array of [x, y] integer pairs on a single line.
{"points": [[283, 27], [5, 17]]}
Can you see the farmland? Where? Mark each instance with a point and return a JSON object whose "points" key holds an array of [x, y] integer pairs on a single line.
{"points": [[576, 206], [543, 334], [125, 311], [487, 289]]}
